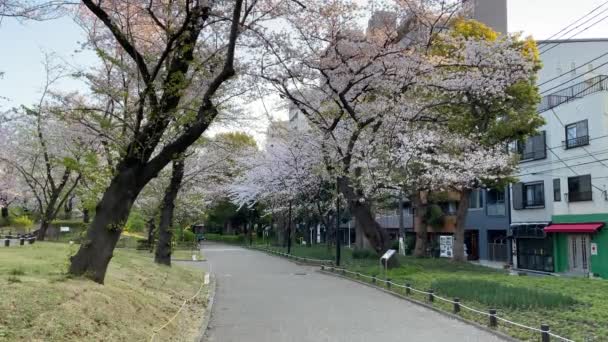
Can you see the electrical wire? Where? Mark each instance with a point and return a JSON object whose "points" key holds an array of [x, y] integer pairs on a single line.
{"points": [[576, 21]]}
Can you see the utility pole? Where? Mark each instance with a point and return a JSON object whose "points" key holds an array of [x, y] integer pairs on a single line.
{"points": [[289, 230], [337, 226]]}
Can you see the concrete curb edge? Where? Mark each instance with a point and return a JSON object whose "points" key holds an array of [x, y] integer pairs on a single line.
{"points": [[207, 317], [417, 302]]}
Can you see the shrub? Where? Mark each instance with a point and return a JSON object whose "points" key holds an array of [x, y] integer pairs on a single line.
{"points": [[234, 239], [22, 222], [363, 253], [188, 236], [501, 296], [135, 222]]}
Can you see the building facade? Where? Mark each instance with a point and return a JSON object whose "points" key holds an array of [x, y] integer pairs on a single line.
{"points": [[560, 204]]}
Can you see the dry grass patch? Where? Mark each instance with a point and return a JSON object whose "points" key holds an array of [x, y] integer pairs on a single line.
{"points": [[39, 303]]}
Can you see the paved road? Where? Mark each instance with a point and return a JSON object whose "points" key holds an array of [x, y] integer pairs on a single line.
{"points": [[262, 298]]}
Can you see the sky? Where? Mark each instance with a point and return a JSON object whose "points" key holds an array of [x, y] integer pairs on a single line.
{"points": [[24, 44]]}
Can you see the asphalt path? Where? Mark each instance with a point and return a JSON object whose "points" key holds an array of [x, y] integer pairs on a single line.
{"points": [[263, 298]]}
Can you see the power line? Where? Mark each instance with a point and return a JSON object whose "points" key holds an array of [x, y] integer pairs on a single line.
{"points": [[576, 21], [576, 34], [571, 70], [574, 78], [559, 168]]}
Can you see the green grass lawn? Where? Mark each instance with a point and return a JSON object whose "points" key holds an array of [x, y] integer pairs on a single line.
{"points": [[38, 302], [576, 308]]}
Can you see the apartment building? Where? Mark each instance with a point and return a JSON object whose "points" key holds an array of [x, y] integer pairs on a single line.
{"points": [[560, 205]]}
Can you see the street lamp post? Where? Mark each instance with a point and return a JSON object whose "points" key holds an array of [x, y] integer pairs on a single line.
{"points": [[337, 228], [289, 231]]}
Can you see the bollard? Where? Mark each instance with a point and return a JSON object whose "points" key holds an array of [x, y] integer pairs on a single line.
{"points": [[431, 296], [7, 243], [322, 268], [544, 335], [408, 289], [493, 321], [373, 279], [456, 305], [388, 283], [30, 241], [21, 242]]}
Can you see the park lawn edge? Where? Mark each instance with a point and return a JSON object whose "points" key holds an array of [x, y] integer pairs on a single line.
{"points": [[38, 302]]}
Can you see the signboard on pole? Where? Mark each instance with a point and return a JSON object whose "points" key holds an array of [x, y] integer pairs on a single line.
{"points": [[64, 229], [446, 246]]}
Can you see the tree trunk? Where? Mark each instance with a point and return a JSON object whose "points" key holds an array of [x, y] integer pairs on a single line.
{"points": [[461, 216], [85, 216], [47, 217], [420, 226], [112, 211], [5, 212], [44, 226], [361, 210], [361, 241], [151, 230], [163, 248], [68, 206]]}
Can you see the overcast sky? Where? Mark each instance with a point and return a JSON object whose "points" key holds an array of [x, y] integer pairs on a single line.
{"points": [[23, 44]]}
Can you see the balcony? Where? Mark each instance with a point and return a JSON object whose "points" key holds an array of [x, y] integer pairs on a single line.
{"points": [[574, 92], [580, 196], [578, 141]]}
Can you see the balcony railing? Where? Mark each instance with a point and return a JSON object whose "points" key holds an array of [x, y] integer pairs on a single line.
{"points": [[578, 141], [580, 196], [577, 91]]}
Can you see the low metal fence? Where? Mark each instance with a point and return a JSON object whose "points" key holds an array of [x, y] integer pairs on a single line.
{"points": [[493, 318]]}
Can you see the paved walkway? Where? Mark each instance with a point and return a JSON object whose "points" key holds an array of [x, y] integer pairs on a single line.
{"points": [[262, 298]]}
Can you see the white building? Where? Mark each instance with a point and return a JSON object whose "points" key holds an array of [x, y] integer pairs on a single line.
{"points": [[560, 203]]}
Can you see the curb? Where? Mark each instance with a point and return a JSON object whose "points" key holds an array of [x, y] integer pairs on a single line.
{"points": [[207, 317], [425, 305]]}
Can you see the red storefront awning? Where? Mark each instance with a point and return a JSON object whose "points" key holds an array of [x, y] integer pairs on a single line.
{"points": [[574, 227]]}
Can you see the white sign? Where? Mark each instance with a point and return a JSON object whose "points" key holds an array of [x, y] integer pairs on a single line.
{"points": [[388, 254], [64, 229], [446, 246], [593, 248]]}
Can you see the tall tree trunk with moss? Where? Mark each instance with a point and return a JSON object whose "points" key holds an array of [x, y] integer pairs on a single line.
{"points": [[165, 235], [461, 216]]}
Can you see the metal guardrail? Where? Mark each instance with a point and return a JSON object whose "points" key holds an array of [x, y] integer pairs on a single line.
{"points": [[544, 330]]}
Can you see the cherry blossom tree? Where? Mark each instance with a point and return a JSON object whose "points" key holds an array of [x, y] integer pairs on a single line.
{"points": [[181, 55], [360, 90]]}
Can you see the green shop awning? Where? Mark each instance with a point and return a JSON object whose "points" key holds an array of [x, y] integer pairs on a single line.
{"points": [[587, 228]]}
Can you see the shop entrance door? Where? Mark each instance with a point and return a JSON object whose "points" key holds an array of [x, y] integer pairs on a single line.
{"points": [[579, 251]]}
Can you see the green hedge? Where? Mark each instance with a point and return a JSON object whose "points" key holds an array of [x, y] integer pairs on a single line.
{"points": [[498, 295], [234, 239]]}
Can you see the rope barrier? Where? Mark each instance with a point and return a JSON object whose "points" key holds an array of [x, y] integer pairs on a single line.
{"points": [[156, 331], [460, 305]]}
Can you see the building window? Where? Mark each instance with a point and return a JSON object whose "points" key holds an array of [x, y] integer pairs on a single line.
{"points": [[528, 195], [533, 148], [476, 199], [557, 190], [577, 134], [579, 189], [534, 194], [495, 203]]}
